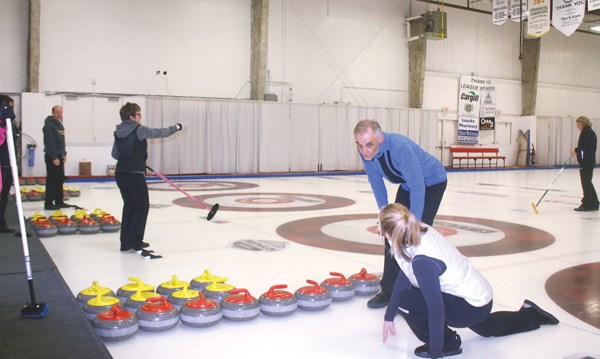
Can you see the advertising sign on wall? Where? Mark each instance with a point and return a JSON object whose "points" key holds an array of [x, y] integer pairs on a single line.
{"points": [[476, 103]]}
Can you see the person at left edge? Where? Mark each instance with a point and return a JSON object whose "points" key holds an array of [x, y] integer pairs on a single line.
{"points": [[6, 111]]}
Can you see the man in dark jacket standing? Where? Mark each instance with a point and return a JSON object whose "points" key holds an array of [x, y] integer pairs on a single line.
{"points": [[55, 157], [586, 157]]}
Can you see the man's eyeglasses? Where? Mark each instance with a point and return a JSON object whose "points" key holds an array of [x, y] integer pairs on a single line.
{"points": [[138, 114]]}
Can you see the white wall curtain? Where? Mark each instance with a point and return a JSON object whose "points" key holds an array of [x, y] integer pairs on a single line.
{"points": [[274, 137], [305, 138]]}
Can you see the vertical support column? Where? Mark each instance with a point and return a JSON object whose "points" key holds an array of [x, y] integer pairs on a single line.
{"points": [[417, 54], [33, 55], [258, 57], [529, 75]]}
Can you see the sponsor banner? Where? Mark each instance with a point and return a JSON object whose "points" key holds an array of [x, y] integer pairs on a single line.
{"points": [[593, 5], [500, 12], [516, 10], [468, 130], [487, 123], [567, 15], [487, 107], [538, 23], [468, 96]]}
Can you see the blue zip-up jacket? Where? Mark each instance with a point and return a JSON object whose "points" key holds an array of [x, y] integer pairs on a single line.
{"points": [[401, 161]]}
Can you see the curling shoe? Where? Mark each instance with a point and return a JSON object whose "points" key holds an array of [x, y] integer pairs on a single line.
{"points": [[542, 316]]}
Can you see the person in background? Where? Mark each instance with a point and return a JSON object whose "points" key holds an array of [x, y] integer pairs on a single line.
{"points": [[6, 178], [438, 288], [586, 157], [55, 156], [130, 151], [421, 177]]}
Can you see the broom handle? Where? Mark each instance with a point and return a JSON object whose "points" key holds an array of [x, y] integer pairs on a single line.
{"points": [[15, 175], [554, 180], [204, 206]]}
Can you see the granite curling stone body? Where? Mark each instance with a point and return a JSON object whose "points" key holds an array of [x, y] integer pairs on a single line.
{"points": [[157, 315], [137, 300], [341, 289], [173, 285], [129, 289], [202, 281], [240, 306], [92, 292], [98, 305], [366, 284], [278, 303], [313, 298], [182, 296], [201, 312], [218, 289], [115, 324]]}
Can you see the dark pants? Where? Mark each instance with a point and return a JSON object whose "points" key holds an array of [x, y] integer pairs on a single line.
{"points": [[460, 314], [55, 179], [433, 199], [136, 206], [590, 198], [7, 182]]}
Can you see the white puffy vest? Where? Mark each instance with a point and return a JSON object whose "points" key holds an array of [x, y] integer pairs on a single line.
{"points": [[460, 279]]}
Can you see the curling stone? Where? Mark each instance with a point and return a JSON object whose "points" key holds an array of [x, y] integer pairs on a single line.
{"points": [[366, 284], [66, 226], [109, 223], [34, 195], [98, 305], [73, 191], [56, 215], [88, 226], [180, 297], [115, 324], [202, 281], [35, 216], [173, 285], [130, 289], [240, 306], [278, 303], [78, 214], [44, 228], [92, 292], [341, 289], [138, 299], [313, 298], [200, 313], [157, 315], [21, 181], [218, 289], [97, 213], [66, 195], [41, 180], [30, 181]]}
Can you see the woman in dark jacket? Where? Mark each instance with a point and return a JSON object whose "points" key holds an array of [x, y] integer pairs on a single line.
{"points": [[586, 157], [130, 151]]}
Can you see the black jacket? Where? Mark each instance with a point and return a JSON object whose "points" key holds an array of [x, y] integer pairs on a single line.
{"points": [[586, 148], [54, 138]]}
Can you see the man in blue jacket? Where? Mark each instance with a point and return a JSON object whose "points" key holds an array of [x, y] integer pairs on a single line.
{"points": [[421, 178]]}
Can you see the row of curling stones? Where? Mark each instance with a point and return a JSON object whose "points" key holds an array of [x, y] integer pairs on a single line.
{"points": [[39, 193], [60, 223], [196, 310]]}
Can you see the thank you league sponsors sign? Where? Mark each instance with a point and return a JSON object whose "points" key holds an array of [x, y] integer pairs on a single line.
{"points": [[476, 108], [567, 15]]}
